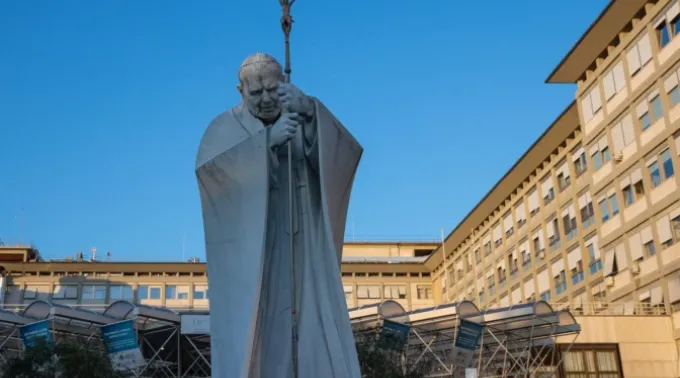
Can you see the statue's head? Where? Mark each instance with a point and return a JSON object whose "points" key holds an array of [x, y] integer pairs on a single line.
{"points": [[259, 78]]}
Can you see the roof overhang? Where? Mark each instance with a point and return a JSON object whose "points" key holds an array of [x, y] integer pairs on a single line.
{"points": [[561, 128], [595, 40]]}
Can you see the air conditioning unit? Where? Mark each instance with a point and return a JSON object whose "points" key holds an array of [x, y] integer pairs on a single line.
{"points": [[609, 281], [618, 157], [635, 268], [541, 254]]}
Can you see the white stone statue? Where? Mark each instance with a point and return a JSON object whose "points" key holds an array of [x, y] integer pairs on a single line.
{"points": [[242, 170]]}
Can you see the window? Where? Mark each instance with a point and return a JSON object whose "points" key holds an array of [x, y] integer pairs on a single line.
{"points": [[622, 133], [395, 292], [655, 169], [97, 292], [649, 110], [563, 179], [609, 206], [65, 292], [591, 362], [553, 230], [591, 103], [149, 292], [595, 262], [538, 242], [478, 256], [174, 292], [600, 154], [492, 284], [577, 274], [497, 235], [569, 222], [547, 189], [201, 292], [508, 224], [560, 282], [668, 229], [578, 156], [487, 248], [671, 86], [526, 254], [424, 292], [668, 25], [632, 187], [368, 292], [585, 203], [614, 81], [546, 296], [533, 201], [639, 55], [120, 292], [520, 214]]}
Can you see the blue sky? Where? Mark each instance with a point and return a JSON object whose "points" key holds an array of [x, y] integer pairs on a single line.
{"points": [[103, 103]]}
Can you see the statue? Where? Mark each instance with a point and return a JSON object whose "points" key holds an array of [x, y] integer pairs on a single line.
{"points": [[243, 179]]}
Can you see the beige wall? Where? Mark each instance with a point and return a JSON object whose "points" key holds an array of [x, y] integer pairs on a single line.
{"points": [[646, 343]]}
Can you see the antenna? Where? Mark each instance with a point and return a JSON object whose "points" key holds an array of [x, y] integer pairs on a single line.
{"points": [[94, 254], [353, 238], [108, 256]]}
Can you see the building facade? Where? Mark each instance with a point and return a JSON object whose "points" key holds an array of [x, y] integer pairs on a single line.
{"points": [[371, 272], [588, 219]]}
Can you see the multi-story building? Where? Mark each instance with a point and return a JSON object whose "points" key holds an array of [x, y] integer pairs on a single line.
{"points": [[587, 219], [371, 272], [591, 213]]}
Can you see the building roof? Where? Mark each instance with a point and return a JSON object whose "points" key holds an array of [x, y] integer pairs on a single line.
{"points": [[595, 40], [565, 124]]}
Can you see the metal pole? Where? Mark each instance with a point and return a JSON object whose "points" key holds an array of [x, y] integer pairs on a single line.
{"points": [[286, 26]]}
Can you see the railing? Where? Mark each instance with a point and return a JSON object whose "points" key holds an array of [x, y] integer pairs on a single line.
{"points": [[603, 308]]}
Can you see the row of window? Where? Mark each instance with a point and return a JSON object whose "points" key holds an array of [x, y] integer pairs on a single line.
{"points": [[423, 292], [115, 292]]}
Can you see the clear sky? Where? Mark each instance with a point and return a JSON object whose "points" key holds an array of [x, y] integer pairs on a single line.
{"points": [[103, 103]]}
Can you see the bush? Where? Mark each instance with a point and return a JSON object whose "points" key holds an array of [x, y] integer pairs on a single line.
{"points": [[383, 355], [62, 361]]}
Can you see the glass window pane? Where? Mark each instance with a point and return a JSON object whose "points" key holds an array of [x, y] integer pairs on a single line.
{"points": [[664, 35], [667, 162], [597, 161], [614, 203], [675, 95], [645, 121], [155, 293], [143, 292], [655, 174], [606, 155], [656, 108], [170, 292], [604, 210]]}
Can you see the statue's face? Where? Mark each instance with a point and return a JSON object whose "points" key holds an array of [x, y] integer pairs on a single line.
{"points": [[259, 94]]}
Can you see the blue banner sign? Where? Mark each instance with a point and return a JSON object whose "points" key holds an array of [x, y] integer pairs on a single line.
{"points": [[469, 334], [399, 330], [32, 333], [120, 340]]}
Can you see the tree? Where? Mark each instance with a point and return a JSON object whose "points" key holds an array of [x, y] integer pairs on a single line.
{"points": [[63, 361], [384, 355]]}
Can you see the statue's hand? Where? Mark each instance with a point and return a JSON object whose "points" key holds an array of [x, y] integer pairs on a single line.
{"points": [[284, 129], [294, 101]]}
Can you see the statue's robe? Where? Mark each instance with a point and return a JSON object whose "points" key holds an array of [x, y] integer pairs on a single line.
{"points": [[244, 196]]}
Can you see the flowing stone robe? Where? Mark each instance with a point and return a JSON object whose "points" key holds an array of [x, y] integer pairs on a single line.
{"points": [[244, 196]]}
